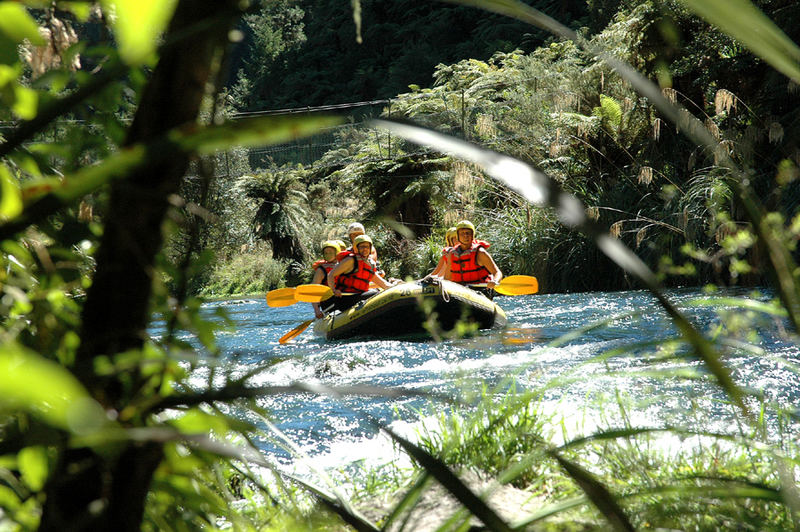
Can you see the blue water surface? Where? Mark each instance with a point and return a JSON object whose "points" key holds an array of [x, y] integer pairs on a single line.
{"points": [[580, 351]]}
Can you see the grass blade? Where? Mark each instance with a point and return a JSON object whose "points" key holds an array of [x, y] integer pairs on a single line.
{"points": [[597, 493], [409, 500], [453, 484]]}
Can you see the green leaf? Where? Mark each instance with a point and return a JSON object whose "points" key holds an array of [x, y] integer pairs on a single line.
{"points": [[17, 24], [26, 164], [8, 498], [81, 10], [250, 132], [8, 74], [597, 493], [34, 466], [196, 421], [138, 24], [10, 196], [26, 102], [609, 110], [47, 390]]}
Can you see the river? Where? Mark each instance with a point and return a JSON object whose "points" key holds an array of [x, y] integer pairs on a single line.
{"points": [[619, 355]]}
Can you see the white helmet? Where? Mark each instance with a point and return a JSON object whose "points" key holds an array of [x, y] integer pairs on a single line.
{"points": [[355, 226]]}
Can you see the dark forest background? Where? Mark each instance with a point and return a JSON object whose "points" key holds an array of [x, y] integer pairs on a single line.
{"points": [[306, 53]]}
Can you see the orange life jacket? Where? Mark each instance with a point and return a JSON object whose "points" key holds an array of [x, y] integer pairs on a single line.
{"points": [[464, 268], [356, 281], [326, 266]]}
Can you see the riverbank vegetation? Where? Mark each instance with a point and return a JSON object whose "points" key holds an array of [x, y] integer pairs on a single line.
{"points": [[574, 117], [689, 158]]}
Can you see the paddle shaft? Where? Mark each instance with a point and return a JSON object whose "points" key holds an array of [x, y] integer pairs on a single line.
{"points": [[295, 332]]}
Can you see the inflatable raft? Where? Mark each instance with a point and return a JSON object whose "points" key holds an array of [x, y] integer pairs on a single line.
{"points": [[406, 307]]}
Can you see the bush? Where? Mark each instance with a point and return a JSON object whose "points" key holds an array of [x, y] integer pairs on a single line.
{"points": [[251, 273]]}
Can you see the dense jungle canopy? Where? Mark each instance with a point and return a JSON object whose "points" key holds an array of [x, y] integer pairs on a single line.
{"points": [[306, 53], [144, 164]]}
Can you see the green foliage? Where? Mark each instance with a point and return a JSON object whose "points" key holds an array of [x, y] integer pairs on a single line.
{"points": [[62, 400], [609, 112], [138, 25], [503, 429], [245, 274], [317, 60], [280, 209], [581, 122], [276, 28]]}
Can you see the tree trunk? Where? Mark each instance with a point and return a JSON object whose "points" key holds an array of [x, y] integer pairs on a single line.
{"points": [[116, 314]]}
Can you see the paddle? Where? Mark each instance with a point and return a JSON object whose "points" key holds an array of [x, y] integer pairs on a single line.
{"points": [[312, 293], [514, 285], [307, 293], [281, 297], [294, 332]]}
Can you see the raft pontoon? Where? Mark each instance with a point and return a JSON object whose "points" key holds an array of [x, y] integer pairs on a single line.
{"points": [[406, 307]]}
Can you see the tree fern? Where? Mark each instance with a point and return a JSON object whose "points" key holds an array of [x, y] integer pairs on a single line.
{"points": [[281, 208]]}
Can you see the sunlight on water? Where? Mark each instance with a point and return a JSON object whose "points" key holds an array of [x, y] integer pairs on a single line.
{"points": [[576, 375]]}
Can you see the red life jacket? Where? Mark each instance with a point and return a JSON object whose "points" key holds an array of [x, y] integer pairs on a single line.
{"points": [[464, 268], [326, 266], [447, 249], [356, 281]]}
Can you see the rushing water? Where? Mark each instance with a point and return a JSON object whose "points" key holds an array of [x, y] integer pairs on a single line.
{"points": [[337, 432]]}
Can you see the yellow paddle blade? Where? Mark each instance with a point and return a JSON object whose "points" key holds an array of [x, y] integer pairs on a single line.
{"points": [[312, 293], [282, 297], [517, 285], [294, 332]]}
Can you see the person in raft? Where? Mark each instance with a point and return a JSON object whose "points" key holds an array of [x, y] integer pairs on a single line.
{"points": [[451, 241], [322, 268], [469, 262], [350, 279], [354, 230]]}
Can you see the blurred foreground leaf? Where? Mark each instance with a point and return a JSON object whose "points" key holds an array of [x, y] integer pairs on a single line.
{"points": [[10, 196], [138, 24], [18, 25], [32, 463], [47, 390]]}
